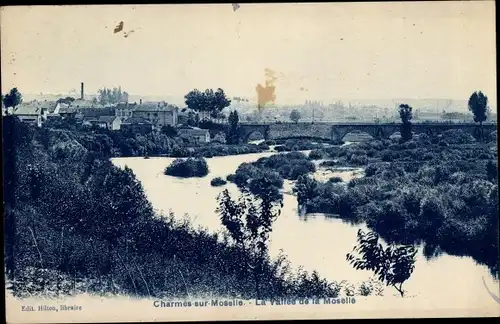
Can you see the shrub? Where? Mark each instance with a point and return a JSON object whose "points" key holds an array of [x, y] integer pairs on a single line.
{"points": [[263, 146], [220, 137], [443, 143], [217, 182], [359, 159], [328, 163], [270, 142], [387, 156], [458, 136], [335, 180], [280, 148], [316, 155], [191, 167]]}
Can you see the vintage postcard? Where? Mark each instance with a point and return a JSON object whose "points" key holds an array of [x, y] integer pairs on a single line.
{"points": [[249, 161]]}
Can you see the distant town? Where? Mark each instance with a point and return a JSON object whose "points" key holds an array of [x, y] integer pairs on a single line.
{"points": [[116, 110]]}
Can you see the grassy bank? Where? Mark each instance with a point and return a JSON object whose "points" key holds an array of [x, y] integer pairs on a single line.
{"points": [[74, 222]]}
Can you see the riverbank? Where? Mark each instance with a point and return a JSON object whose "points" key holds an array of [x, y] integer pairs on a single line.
{"points": [[442, 192], [75, 222], [313, 241]]}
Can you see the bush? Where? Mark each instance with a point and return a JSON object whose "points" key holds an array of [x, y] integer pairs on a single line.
{"points": [[387, 156], [263, 146], [270, 142], [359, 159], [316, 155], [220, 138], [329, 163], [217, 182], [458, 136], [335, 180], [443, 143], [280, 148], [191, 167]]}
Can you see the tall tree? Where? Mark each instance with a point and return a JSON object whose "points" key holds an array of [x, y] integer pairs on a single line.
{"points": [[478, 105], [233, 135], [112, 96], [295, 116], [405, 113], [12, 99]]}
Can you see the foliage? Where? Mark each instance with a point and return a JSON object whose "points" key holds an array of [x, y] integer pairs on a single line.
{"points": [[169, 131], [478, 105], [112, 96], [208, 103], [492, 171], [190, 167], [77, 224], [233, 133], [392, 265], [418, 192], [13, 98], [220, 138], [316, 155], [295, 116], [217, 182], [249, 222], [405, 113]]}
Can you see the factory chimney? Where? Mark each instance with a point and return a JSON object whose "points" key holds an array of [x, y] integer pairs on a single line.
{"points": [[81, 91]]}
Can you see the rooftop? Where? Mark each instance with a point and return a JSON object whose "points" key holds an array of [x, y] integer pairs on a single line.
{"points": [[137, 120], [28, 109], [107, 119]]}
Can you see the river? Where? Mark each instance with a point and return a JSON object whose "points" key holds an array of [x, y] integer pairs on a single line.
{"points": [[316, 242]]}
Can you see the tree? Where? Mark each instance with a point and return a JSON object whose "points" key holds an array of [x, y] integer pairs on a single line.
{"points": [[393, 265], [208, 103], [233, 134], [405, 113], [12, 99], [478, 105], [169, 131], [295, 116], [112, 96], [249, 221]]}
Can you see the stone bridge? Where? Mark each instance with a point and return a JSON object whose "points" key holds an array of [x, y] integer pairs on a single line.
{"points": [[337, 131]]}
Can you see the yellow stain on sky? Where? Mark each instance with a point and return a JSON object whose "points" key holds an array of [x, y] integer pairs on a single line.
{"points": [[267, 93]]}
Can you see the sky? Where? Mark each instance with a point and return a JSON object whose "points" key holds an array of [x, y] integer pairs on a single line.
{"points": [[315, 51]]}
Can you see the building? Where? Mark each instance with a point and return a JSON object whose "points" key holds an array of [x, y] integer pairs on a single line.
{"points": [[65, 111], [159, 114], [124, 110], [111, 122], [31, 113], [197, 134], [136, 125], [107, 122], [97, 112], [85, 104]]}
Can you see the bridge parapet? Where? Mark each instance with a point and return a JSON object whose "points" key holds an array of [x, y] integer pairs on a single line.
{"points": [[337, 131], [295, 130]]}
